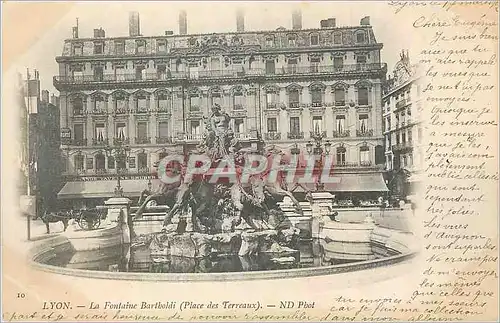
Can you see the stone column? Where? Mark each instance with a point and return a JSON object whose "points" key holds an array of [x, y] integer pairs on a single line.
{"points": [[119, 213]]}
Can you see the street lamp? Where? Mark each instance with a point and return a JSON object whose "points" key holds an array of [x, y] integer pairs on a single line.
{"points": [[121, 154]]}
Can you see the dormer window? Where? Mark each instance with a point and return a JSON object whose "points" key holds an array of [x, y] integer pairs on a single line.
{"points": [[78, 49], [120, 47], [292, 40], [269, 41], [162, 46], [337, 38], [140, 47], [360, 37], [314, 39], [98, 48]]}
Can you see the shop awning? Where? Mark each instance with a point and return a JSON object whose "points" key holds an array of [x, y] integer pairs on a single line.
{"points": [[104, 188], [372, 182]]}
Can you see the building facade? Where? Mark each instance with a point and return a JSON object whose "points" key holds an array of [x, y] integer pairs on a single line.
{"points": [[285, 85], [402, 111]]}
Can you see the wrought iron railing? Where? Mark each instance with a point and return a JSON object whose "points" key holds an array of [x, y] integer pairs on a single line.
{"points": [[102, 142], [273, 135], [296, 135], [341, 134], [365, 133]]}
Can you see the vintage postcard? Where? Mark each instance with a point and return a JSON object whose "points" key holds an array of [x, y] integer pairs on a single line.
{"points": [[186, 161]]}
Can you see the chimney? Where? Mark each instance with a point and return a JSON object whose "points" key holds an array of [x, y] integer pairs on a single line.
{"points": [[183, 23], [75, 29], [296, 20], [240, 21], [99, 33], [45, 96], [365, 21], [332, 22], [168, 32], [134, 27]]}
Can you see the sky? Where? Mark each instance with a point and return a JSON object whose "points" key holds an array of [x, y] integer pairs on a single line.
{"points": [[208, 17]]}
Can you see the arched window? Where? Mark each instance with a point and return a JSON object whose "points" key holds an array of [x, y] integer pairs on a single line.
{"points": [[99, 104], [364, 156], [163, 101], [341, 152], [121, 103], [360, 37], [100, 162]]}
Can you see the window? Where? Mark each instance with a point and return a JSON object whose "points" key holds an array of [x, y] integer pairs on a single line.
{"points": [[89, 163], [121, 131], [294, 125], [78, 134], [363, 123], [340, 124], [403, 137], [271, 100], [194, 101], [314, 39], [338, 63], [142, 103], [315, 64], [337, 38], [120, 73], [317, 124], [78, 49], [410, 135], [120, 104], [238, 126], [340, 155], [78, 74], [142, 161], [99, 104], [292, 66], [364, 157], [272, 125], [121, 162], [77, 106], [98, 73], [140, 47], [111, 162], [163, 129], [120, 48], [138, 72], [363, 95], [164, 102], [195, 127], [339, 96], [142, 130], [291, 40], [98, 48], [316, 97], [161, 71], [269, 41], [162, 46], [79, 162], [360, 37], [216, 99], [100, 162], [293, 98], [238, 101], [270, 67], [361, 59], [100, 132]]}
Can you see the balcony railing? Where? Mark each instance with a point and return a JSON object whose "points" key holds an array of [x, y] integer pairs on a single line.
{"points": [[272, 106], [366, 133], [229, 73], [121, 141], [401, 103], [192, 136], [340, 103], [294, 105], [98, 112], [78, 142], [243, 135], [314, 134], [341, 134], [164, 140], [273, 136], [317, 104], [296, 135], [96, 142], [407, 145], [142, 140]]}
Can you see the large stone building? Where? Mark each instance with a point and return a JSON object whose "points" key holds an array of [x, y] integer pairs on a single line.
{"points": [[402, 121], [153, 93]]}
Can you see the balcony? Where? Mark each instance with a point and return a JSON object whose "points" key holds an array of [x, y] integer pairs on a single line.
{"points": [[404, 146], [143, 170], [272, 136], [329, 69], [340, 103], [78, 142], [141, 110], [164, 140], [313, 134], [296, 135], [96, 142], [120, 111], [316, 104], [117, 78], [294, 105], [401, 103], [341, 134], [142, 140], [99, 112], [231, 73], [192, 137], [272, 106], [366, 133], [101, 171], [121, 141]]}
